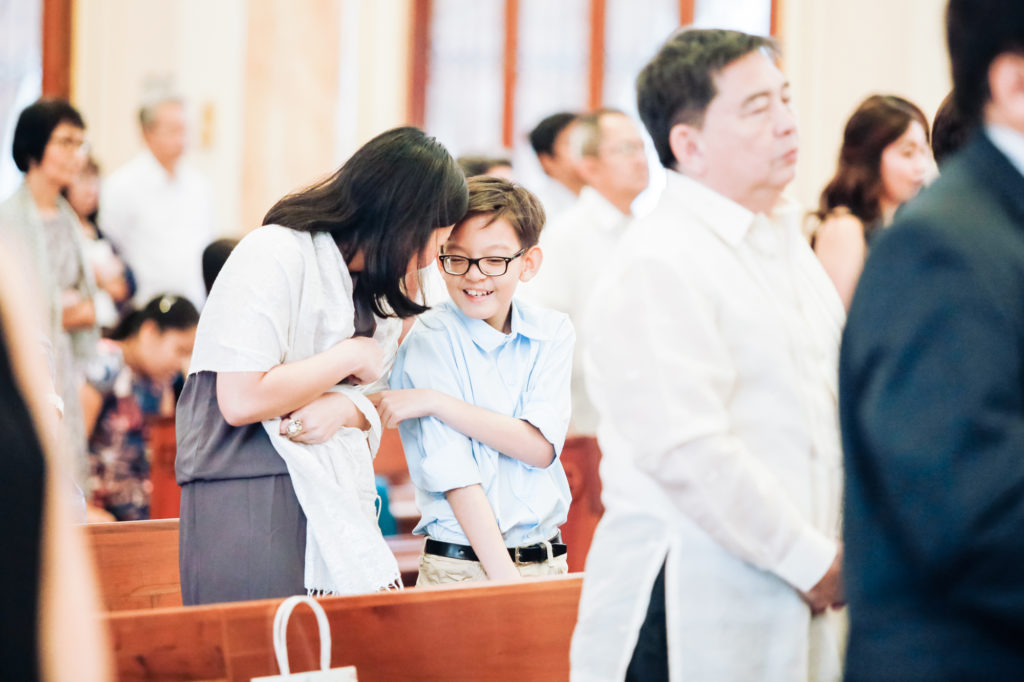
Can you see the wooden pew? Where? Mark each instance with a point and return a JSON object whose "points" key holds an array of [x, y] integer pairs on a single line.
{"points": [[480, 632], [581, 458], [137, 562], [165, 500]]}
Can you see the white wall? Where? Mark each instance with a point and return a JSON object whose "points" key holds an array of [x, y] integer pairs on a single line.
{"points": [[200, 46], [204, 47], [837, 52]]}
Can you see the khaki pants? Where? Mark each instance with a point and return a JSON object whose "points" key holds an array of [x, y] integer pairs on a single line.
{"points": [[440, 570]]}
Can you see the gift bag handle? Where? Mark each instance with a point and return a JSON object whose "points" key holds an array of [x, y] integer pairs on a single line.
{"points": [[284, 612]]}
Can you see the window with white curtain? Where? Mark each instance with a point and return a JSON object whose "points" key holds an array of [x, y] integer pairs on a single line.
{"points": [[633, 33], [552, 75], [465, 83], [21, 76], [749, 16]]}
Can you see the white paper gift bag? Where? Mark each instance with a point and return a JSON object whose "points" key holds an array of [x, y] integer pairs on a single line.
{"points": [[325, 674]]}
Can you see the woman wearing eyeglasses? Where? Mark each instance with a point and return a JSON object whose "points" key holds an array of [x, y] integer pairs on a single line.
{"points": [[278, 496], [49, 148]]}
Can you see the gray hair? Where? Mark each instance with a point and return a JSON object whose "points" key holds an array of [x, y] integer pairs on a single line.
{"points": [[156, 95], [585, 136]]}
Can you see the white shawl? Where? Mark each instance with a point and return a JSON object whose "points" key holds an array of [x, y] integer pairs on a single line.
{"points": [[284, 296]]}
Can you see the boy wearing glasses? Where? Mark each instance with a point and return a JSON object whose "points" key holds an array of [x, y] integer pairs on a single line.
{"points": [[481, 399]]}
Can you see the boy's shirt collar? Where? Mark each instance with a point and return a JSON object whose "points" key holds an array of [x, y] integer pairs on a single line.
{"points": [[488, 338]]}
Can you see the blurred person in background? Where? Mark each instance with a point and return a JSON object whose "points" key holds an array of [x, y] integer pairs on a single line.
{"points": [[47, 623], [583, 240], [50, 148], [883, 163], [496, 166], [950, 129], [550, 141], [114, 281], [130, 381], [157, 210], [931, 383], [214, 256]]}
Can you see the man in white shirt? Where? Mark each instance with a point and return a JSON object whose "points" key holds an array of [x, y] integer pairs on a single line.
{"points": [[584, 239], [711, 359], [550, 141], [159, 212]]}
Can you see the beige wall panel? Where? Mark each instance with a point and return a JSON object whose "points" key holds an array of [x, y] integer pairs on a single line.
{"points": [[199, 46], [291, 95], [837, 52], [117, 44]]}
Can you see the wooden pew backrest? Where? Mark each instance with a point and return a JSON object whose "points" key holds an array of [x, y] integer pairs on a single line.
{"points": [[137, 562], [480, 632]]}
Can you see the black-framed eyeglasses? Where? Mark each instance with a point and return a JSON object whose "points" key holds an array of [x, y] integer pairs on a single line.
{"points": [[491, 266]]}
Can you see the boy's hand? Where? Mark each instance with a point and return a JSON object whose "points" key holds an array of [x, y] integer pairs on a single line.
{"points": [[367, 357], [323, 417], [411, 403]]}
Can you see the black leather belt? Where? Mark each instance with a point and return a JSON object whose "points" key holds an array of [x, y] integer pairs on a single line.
{"points": [[531, 554]]}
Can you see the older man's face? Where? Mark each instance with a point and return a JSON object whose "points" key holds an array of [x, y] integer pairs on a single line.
{"points": [[749, 139], [619, 168], [167, 135]]}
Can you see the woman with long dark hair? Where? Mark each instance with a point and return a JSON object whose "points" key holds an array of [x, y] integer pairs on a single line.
{"points": [[883, 163], [277, 487]]}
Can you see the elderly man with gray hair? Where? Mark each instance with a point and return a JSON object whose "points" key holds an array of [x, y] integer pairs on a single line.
{"points": [[158, 211]]}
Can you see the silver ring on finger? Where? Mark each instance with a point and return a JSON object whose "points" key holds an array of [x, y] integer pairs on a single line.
{"points": [[294, 428]]}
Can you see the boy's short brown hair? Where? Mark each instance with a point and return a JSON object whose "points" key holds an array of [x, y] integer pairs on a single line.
{"points": [[508, 201]]}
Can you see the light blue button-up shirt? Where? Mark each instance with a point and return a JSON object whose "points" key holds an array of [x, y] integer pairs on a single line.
{"points": [[524, 374]]}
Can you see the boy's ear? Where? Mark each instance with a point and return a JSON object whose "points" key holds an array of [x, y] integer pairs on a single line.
{"points": [[531, 263]]}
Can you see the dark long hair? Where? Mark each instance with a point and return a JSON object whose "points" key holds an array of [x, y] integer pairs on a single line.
{"points": [[385, 201], [167, 311], [878, 122]]}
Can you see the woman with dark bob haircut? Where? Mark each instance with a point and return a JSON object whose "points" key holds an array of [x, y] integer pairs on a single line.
{"points": [[883, 163], [277, 484], [49, 147]]}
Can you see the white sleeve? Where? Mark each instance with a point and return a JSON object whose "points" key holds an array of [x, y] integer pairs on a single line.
{"points": [[117, 215], [246, 324], [659, 370]]}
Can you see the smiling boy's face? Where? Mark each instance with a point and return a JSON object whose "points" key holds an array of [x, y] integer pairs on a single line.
{"points": [[480, 296]]}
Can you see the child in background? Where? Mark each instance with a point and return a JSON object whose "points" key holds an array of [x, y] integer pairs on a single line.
{"points": [[482, 402], [131, 379]]}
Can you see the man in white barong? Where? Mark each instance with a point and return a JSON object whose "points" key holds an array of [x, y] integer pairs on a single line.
{"points": [[158, 210], [712, 364]]}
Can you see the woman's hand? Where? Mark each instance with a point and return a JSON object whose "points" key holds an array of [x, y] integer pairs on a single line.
{"points": [[323, 417], [365, 355], [411, 403]]}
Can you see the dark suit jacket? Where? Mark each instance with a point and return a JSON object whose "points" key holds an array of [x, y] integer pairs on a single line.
{"points": [[932, 411]]}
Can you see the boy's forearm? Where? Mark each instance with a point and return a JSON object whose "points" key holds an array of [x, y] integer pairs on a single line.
{"points": [[508, 435], [475, 516]]}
